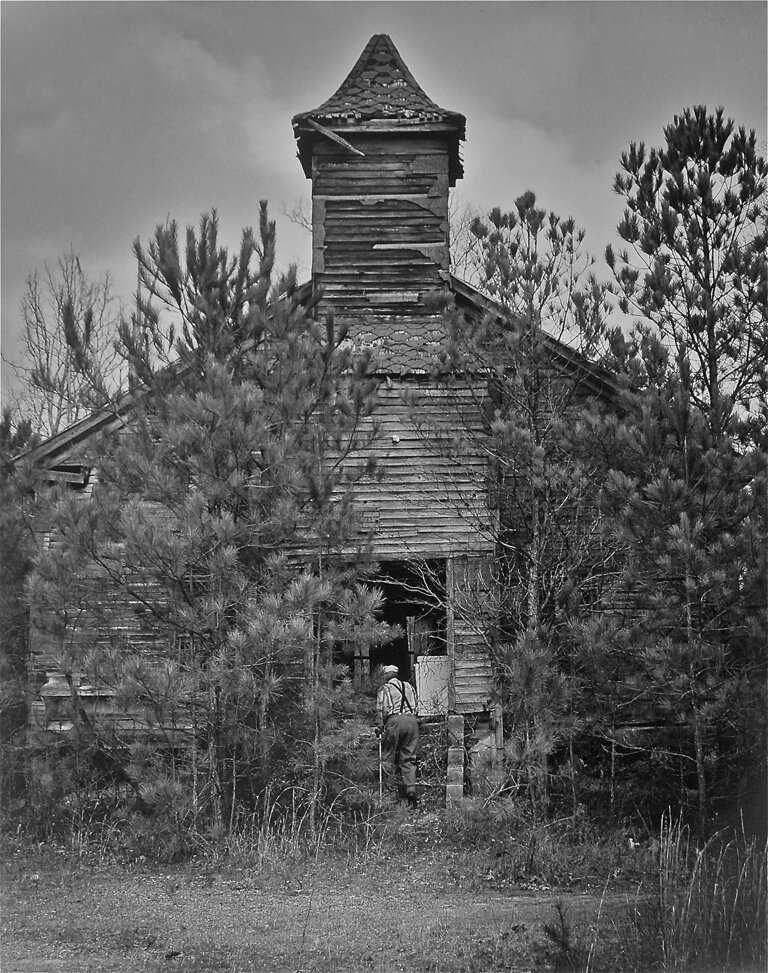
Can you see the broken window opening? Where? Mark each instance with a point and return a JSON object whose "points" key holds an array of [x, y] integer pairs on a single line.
{"points": [[414, 600]]}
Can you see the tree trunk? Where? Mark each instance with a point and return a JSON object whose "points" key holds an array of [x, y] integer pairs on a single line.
{"points": [[574, 802], [262, 718], [534, 579], [215, 755], [316, 735], [701, 777], [233, 790], [193, 755]]}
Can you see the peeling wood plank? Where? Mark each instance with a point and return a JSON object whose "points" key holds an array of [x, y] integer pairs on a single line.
{"points": [[333, 136], [395, 297], [420, 199]]}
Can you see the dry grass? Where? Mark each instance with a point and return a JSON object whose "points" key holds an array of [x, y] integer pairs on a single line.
{"points": [[706, 907], [471, 889], [399, 911]]}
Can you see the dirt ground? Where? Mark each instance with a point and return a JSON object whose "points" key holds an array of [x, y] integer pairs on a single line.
{"points": [[420, 911]]}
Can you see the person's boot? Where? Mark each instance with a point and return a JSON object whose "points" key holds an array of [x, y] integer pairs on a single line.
{"points": [[412, 801]]}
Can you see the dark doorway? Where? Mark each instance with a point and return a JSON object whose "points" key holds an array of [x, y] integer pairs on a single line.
{"points": [[414, 601]]}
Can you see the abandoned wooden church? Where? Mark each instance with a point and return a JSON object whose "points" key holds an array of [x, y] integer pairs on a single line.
{"points": [[382, 157]]}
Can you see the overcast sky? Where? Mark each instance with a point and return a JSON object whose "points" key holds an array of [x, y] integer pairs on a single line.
{"points": [[118, 115]]}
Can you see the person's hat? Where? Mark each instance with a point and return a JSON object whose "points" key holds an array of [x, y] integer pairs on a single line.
{"points": [[389, 670]]}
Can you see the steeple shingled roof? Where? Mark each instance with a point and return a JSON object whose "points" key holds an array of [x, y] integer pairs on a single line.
{"points": [[377, 93], [380, 86]]}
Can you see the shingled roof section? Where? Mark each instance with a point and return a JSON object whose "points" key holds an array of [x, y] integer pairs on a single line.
{"points": [[378, 92], [380, 86]]}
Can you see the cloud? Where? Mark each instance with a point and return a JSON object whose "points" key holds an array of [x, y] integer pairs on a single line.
{"points": [[39, 136], [230, 111], [504, 157], [125, 125]]}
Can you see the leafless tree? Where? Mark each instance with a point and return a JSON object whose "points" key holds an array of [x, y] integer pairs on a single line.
{"points": [[69, 365], [299, 212], [465, 253]]}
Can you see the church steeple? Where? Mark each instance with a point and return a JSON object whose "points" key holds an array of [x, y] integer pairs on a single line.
{"points": [[380, 87], [381, 156]]}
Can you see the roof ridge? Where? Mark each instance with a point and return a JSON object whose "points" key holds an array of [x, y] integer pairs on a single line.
{"points": [[559, 348]]}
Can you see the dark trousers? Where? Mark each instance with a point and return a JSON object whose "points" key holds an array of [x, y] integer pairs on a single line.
{"points": [[399, 742]]}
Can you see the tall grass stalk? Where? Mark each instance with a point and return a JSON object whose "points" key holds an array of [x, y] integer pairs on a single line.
{"points": [[709, 905], [285, 827]]}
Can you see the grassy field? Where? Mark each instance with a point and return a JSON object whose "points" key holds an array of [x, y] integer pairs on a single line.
{"points": [[413, 904], [465, 890], [331, 917]]}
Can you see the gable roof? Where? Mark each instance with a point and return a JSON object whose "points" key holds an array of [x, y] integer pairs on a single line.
{"points": [[64, 445], [61, 446], [599, 380], [403, 350]]}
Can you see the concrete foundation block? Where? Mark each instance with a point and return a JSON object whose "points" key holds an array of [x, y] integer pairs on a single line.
{"points": [[454, 775], [455, 726], [485, 765], [455, 766]]}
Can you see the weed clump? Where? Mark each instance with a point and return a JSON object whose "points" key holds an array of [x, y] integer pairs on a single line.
{"points": [[706, 908]]}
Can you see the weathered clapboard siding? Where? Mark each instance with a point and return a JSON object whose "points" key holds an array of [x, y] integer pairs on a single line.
{"points": [[101, 615], [473, 677], [426, 504], [380, 239], [467, 581]]}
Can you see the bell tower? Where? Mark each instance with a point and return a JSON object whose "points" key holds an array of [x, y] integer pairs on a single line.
{"points": [[381, 156]]}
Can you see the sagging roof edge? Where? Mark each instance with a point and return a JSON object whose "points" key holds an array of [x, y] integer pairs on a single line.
{"points": [[114, 413], [601, 380]]}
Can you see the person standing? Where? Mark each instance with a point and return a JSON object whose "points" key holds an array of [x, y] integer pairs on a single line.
{"points": [[397, 710]]}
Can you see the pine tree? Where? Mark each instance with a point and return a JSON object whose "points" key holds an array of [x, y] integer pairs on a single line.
{"points": [[201, 582], [696, 265], [15, 561], [529, 370], [691, 505], [692, 517]]}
